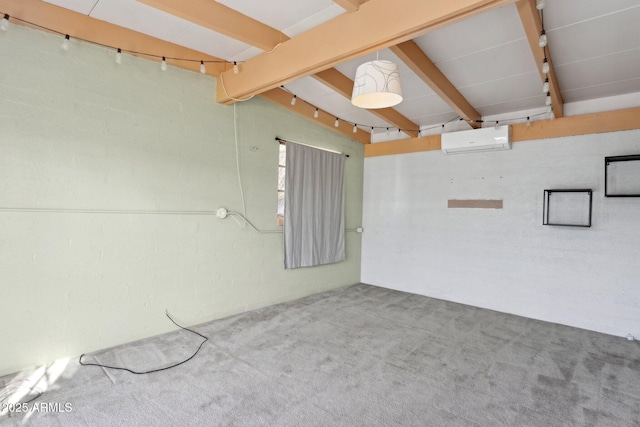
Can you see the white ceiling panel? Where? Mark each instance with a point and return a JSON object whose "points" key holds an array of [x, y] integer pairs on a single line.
{"points": [[423, 106], [211, 43], [560, 13], [475, 34], [140, 17], [602, 70], [413, 87], [333, 103], [603, 90], [314, 20], [490, 65], [149, 20], [612, 33], [520, 104], [280, 14], [81, 6], [308, 88], [500, 91]]}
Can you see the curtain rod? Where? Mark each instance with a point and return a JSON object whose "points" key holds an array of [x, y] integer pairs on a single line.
{"points": [[309, 145]]}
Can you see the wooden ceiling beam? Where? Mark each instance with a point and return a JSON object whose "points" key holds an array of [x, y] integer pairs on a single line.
{"points": [[222, 19], [585, 124], [84, 27], [530, 17], [346, 37], [344, 86], [411, 54], [283, 99], [349, 5]]}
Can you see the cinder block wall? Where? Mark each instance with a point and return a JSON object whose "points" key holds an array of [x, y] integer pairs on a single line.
{"points": [[80, 132], [505, 259]]}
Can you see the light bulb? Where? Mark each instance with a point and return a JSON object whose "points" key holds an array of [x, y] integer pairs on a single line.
{"points": [[387, 131], [540, 4], [65, 43], [548, 99], [235, 67], [293, 100], [355, 128], [528, 121], [542, 41], [119, 56], [4, 24], [202, 67], [163, 64], [497, 125], [545, 66], [315, 113], [545, 86], [337, 122]]}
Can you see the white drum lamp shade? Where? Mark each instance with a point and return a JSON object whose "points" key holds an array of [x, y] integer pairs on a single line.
{"points": [[377, 85]]}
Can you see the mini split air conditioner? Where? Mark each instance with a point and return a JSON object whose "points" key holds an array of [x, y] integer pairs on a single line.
{"points": [[477, 140]]}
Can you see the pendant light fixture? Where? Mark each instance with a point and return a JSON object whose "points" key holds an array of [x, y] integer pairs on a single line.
{"points": [[377, 85]]}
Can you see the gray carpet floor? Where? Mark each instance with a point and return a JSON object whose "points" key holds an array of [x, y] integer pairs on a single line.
{"points": [[356, 356]]}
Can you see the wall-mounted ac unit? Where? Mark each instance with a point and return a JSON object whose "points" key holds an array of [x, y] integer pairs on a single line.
{"points": [[477, 140]]}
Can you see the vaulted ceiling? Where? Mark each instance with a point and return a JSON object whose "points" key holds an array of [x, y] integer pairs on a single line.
{"points": [[468, 59]]}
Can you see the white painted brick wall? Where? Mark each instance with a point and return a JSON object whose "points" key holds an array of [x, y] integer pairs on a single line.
{"points": [[506, 259]]}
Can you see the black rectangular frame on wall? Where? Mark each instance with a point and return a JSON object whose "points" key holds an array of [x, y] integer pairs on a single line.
{"points": [[610, 175], [547, 207]]}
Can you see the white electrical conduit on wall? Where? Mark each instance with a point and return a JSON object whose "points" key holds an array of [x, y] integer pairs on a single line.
{"points": [[105, 211], [135, 212], [140, 212]]}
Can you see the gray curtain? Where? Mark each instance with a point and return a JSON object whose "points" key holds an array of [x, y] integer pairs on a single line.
{"points": [[313, 207]]}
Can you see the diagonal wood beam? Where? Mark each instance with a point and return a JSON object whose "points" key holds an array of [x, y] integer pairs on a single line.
{"points": [[532, 24], [225, 20], [283, 99], [349, 5], [411, 54], [81, 26], [222, 19], [348, 36], [344, 86]]}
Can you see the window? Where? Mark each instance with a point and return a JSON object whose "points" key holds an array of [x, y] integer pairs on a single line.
{"points": [[281, 173], [314, 207]]}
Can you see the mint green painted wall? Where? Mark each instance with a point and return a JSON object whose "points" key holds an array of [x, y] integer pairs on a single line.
{"points": [[82, 132]]}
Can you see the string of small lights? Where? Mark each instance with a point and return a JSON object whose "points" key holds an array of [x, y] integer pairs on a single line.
{"points": [[4, 26], [543, 43], [420, 131]]}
